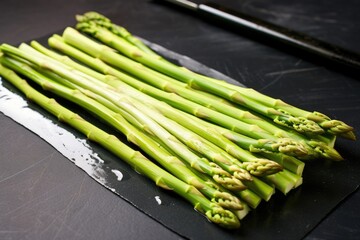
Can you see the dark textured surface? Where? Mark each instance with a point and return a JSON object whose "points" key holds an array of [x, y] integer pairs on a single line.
{"points": [[43, 196]]}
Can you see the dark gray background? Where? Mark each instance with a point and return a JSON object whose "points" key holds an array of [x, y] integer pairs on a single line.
{"points": [[44, 196]]}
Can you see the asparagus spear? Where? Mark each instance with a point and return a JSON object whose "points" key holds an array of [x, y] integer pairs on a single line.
{"points": [[284, 188], [227, 136], [176, 116], [295, 178], [255, 167], [170, 162], [332, 126], [196, 142], [277, 180], [198, 126], [140, 163], [314, 148], [247, 195], [279, 183], [85, 44], [291, 148], [72, 75], [116, 29], [73, 37], [258, 186], [283, 118], [92, 48]]}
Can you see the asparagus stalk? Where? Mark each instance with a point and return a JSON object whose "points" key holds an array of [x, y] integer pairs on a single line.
{"points": [[300, 124], [85, 44], [280, 182], [291, 148], [116, 29], [284, 187], [122, 101], [172, 113], [247, 195], [314, 148], [295, 178], [140, 163], [95, 49], [259, 166], [241, 214], [262, 189], [257, 190], [332, 126], [225, 135], [196, 143], [252, 199], [74, 38], [255, 167], [170, 162], [267, 167], [258, 186], [288, 162], [275, 180], [281, 145]]}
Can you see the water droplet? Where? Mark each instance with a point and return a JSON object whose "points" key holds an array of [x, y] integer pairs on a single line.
{"points": [[158, 200], [118, 174]]}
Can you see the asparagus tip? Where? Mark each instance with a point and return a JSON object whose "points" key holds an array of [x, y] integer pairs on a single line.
{"points": [[300, 124], [241, 173], [228, 201], [287, 146], [223, 218], [348, 135], [262, 167], [336, 127], [229, 182], [226, 179], [333, 126], [325, 151]]}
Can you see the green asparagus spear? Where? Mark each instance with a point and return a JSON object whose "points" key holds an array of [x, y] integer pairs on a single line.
{"points": [[283, 118], [191, 123], [95, 49], [258, 186], [273, 145], [195, 142], [92, 48], [141, 164], [116, 29], [332, 126], [170, 162], [122, 101]]}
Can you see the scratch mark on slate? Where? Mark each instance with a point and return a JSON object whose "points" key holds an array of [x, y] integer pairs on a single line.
{"points": [[25, 169], [289, 71], [42, 172], [275, 80], [67, 209], [298, 62]]}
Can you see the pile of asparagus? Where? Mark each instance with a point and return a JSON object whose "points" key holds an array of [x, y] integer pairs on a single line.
{"points": [[222, 147]]}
